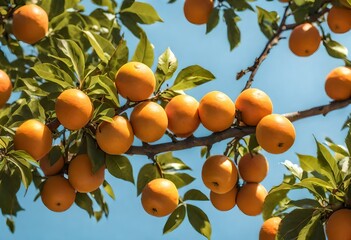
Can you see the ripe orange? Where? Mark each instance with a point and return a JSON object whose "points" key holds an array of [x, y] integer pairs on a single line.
{"points": [[275, 133], [160, 197], [338, 225], [5, 88], [81, 176], [253, 167], [57, 194], [49, 169], [339, 19], [30, 23], [183, 115], [115, 137], [225, 201], [304, 40], [250, 198], [149, 121], [253, 105], [197, 11], [219, 174], [269, 228], [135, 81], [73, 109], [216, 111], [338, 83], [33, 137]]}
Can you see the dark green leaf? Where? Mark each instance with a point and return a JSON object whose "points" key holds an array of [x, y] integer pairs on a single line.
{"points": [[84, 201], [96, 155], [268, 21], [120, 167], [194, 194], [110, 4], [147, 173], [144, 52], [313, 229], [166, 66], [175, 219], [103, 48], [199, 220], [168, 162], [118, 58], [212, 20], [293, 222], [233, 31], [10, 224], [191, 77]]}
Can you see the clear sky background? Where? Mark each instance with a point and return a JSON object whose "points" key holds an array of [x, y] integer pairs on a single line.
{"points": [[293, 84]]}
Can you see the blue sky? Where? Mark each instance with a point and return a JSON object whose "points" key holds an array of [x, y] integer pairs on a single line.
{"points": [[293, 84]]}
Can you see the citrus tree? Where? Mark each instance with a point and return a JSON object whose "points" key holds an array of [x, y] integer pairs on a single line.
{"points": [[78, 104]]}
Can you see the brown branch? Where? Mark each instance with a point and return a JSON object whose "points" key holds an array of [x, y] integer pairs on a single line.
{"points": [[235, 132], [269, 45]]}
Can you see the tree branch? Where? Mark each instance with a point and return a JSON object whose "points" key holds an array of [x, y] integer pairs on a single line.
{"points": [[234, 132]]}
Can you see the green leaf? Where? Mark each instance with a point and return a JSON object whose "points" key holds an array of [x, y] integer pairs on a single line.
{"points": [[96, 155], [118, 58], [312, 185], [274, 198], [337, 148], [110, 4], [71, 50], [103, 48], [108, 189], [168, 162], [191, 77], [175, 219], [233, 31], [268, 21], [130, 22], [26, 174], [194, 194], [166, 66], [146, 13], [9, 186], [147, 173], [53, 74], [313, 229], [213, 20], [179, 179], [293, 223], [84, 201], [304, 203], [10, 224], [144, 52], [109, 88], [295, 169], [120, 167], [335, 49], [240, 5], [199, 220]]}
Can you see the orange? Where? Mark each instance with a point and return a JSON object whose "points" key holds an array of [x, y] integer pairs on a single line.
{"points": [[338, 83], [81, 176], [115, 137], [183, 115], [338, 225], [49, 169], [216, 111], [5, 88], [225, 201], [219, 174], [253, 167], [149, 121], [73, 109], [57, 194], [304, 40], [275, 133], [160, 197], [30, 23], [269, 228], [198, 11], [253, 105], [250, 198], [135, 81], [33, 137], [339, 19]]}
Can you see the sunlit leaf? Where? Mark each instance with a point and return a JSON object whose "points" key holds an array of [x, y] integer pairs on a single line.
{"points": [[147, 173], [194, 194], [144, 52], [108, 189], [146, 13], [175, 219], [199, 220], [119, 166]]}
